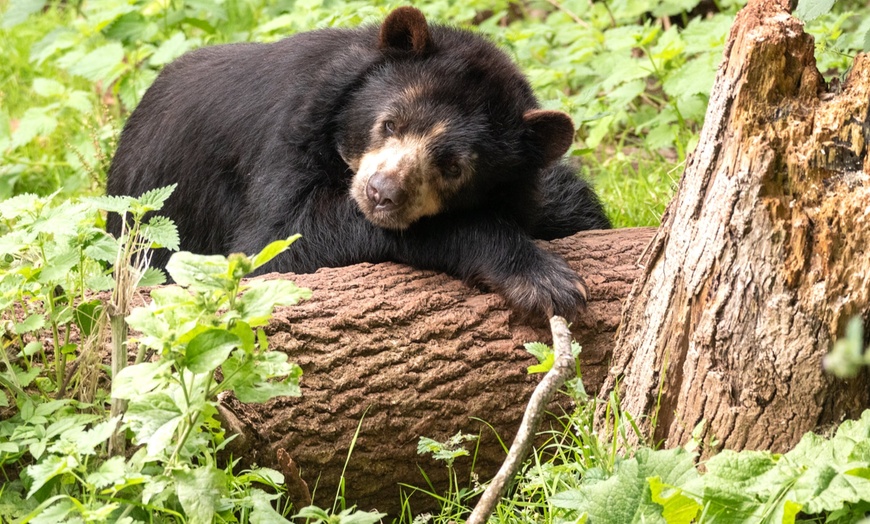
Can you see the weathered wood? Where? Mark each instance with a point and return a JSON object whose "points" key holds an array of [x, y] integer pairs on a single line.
{"points": [[762, 254], [405, 353]]}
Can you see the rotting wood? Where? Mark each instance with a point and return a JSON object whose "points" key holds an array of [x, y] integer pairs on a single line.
{"points": [[762, 254]]}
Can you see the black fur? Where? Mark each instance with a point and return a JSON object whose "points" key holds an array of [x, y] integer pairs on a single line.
{"points": [[259, 138]]}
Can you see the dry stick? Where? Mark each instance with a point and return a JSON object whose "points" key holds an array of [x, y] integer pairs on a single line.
{"points": [[563, 368]]}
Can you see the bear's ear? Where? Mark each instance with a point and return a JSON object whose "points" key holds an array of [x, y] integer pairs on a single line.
{"points": [[550, 132], [405, 29]]}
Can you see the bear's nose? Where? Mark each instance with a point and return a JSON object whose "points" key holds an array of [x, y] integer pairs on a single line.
{"points": [[385, 192]]}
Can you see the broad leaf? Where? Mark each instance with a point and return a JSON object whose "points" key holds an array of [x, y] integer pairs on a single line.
{"points": [[162, 232], [811, 9], [100, 64], [202, 272], [37, 121], [261, 297], [200, 491], [272, 250], [18, 11], [210, 349]]}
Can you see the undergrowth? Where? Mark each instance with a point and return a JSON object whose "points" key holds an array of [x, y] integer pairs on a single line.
{"points": [[59, 450], [616, 476]]}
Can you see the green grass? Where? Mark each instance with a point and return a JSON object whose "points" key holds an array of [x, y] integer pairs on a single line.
{"points": [[634, 189]]}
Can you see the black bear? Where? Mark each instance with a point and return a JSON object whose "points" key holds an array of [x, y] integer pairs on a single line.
{"points": [[415, 143]]}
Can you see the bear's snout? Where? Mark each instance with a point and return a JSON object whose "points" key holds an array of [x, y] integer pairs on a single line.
{"points": [[385, 192]]}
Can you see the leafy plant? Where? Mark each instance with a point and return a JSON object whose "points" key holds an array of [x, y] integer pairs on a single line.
{"points": [[839, 36], [206, 338]]}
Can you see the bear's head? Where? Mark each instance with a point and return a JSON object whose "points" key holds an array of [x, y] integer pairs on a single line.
{"points": [[443, 122]]}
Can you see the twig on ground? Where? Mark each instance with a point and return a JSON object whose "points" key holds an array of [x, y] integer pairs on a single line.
{"points": [[562, 369]]}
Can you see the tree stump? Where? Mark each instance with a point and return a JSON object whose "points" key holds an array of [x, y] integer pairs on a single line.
{"points": [[762, 256], [404, 353]]}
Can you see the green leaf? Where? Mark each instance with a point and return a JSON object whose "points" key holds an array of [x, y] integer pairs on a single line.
{"points": [[133, 87], [200, 272], [355, 516], [626, 496], [110, 472], [199, 491], [86, 315], [732, 483], [61, 220], [69, 422], [20, 205], [539, 350], [272, 250], [152, 277], [24, 378], [32, 323], [47, 87], [248, 376], [100, 64], [52, 511], [262, 511], [47, 469], [59, 264], [157, 486], [36, 122], [58, 39], [104, 248], [84, 442], [161, 232], [128, 27], [544, 366], [695, 77], [32, 348], [312, 512], [18, 11], [674, 7], [114, 204], [153, 419], [677, 507], [210, 349], [140, 379], [261, 297], [264, 391], [153, 200], [811, 9], [200, 24], [80, 101], [171, 49]]}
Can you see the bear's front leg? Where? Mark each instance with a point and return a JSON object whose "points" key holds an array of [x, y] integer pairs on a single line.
{"points": [[498, 255]]}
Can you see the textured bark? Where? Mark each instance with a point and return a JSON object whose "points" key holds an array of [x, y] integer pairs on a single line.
{"points": [[762, 254], [404, 353]]}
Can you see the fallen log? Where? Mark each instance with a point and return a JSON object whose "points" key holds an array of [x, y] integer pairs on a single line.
{"points": [[401, 353]]}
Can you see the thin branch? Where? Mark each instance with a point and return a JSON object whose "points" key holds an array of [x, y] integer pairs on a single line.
{"points": [[563, 368]]}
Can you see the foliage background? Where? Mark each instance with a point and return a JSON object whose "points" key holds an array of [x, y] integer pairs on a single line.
{"points": [[634, 74]]}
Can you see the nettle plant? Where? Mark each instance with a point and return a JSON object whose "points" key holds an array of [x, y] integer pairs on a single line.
{"points": [[194, 341]]}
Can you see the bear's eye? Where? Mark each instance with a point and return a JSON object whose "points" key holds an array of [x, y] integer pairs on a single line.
{"points": [[453, 170], [389, 127]]}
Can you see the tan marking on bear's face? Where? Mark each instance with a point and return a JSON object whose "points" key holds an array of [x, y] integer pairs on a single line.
{"points": [[408, 159], [412, 92]]}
